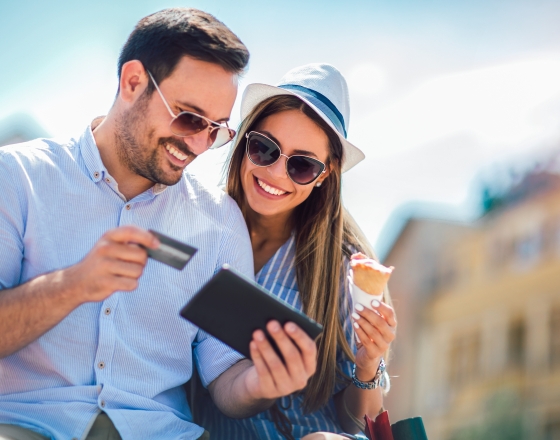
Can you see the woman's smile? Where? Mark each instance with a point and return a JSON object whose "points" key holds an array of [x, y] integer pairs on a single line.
{"points": [[270, 189]]}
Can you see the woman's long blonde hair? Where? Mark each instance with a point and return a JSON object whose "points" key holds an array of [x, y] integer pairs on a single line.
{"points": [[325, 233]]}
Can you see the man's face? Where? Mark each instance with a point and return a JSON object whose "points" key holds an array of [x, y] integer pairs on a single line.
{"points": [[145, 143]]}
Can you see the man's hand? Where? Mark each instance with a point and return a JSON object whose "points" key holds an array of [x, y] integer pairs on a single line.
{"points": [[115, 263], [33, 308], [270, 378]]}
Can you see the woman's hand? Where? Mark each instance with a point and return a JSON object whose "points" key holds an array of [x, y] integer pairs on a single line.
{"points": [[375, 330]]}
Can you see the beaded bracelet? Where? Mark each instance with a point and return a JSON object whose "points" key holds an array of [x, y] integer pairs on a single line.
{"points": [[378, 379]]}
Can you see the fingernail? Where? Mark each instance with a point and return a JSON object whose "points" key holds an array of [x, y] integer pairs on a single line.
{"points": [[375, 303], [274, 327], [259, 336], [355, 316], [359, 307], [356, 325], [290, 327]]}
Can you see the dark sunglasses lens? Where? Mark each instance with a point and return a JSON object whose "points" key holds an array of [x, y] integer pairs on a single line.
{"points": [[187, 124], [262, 152], [304, 170]]}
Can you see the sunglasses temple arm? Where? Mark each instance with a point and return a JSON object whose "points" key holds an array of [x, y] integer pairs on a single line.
{"points": [[173, 115]]}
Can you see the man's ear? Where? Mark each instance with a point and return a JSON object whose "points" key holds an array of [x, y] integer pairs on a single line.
{"points": [[134, 80]]}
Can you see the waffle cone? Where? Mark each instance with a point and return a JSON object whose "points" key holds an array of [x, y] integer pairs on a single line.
{"points": [[369, 275]]}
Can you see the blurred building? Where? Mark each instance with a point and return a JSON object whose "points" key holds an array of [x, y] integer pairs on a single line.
{"points": [[477, 353], [19, 128]]}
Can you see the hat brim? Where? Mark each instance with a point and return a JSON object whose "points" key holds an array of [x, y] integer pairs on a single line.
{"points": [[256, 93]]}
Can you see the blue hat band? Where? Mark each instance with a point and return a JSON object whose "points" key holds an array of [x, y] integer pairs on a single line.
{"points": [[322, 103]]}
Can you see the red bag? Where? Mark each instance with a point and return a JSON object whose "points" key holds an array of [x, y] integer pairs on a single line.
{"points": [[407, 429], [380, 429]]}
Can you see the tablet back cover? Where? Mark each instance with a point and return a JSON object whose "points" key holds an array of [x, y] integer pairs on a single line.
{"points": [[231, 307]]}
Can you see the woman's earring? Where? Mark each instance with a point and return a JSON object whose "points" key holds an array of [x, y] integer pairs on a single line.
{"points": [[318, 184]]}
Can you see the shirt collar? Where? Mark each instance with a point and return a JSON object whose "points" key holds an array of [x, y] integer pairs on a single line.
{"points": [[94, 164], [91, 156]]}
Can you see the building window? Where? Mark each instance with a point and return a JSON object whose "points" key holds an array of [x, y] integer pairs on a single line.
{"points": [[551, 236], [498, 254], [445, 277], [464, 358], [555, 337], [528, 248], [516, 343]]}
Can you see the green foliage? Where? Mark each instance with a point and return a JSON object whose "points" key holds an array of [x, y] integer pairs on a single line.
{"points": [[503, 420]]}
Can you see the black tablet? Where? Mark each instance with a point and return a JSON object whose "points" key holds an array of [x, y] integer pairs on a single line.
{"points": [[231, 307]]}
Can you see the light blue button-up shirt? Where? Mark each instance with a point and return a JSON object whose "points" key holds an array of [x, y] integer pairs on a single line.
{"points": [[130, 354]]}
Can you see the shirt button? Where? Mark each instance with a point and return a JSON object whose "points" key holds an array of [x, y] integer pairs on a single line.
{"points": [[96, 174], [102, 404], [101, 365], [107, 180], [107, 311], [128, 207]]}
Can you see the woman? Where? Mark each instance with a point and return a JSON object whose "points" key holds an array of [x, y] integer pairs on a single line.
{"points": [[285, 174]]}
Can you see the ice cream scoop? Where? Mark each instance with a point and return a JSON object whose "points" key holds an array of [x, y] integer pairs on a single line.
{"points": [[368, 279]]}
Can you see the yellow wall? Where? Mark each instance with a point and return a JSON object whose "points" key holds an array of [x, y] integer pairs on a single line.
{"points": [[478, 327]]}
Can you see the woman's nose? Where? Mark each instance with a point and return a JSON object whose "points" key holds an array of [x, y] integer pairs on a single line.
{"points": [[278, 169]]}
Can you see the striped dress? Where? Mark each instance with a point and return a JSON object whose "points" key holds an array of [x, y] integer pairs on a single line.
{"points": [[278, 275]]}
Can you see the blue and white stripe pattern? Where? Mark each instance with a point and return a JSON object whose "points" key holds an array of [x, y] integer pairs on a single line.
{"points": [[278, 275], [130, 354]]}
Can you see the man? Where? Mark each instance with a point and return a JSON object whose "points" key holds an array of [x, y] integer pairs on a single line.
{"points": [[91, 340]]}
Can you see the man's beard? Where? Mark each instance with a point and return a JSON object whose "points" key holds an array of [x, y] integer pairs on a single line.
{"points": [[134, 150]]}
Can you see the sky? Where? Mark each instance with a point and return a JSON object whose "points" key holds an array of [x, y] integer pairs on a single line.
{"points": [[440, 91]]}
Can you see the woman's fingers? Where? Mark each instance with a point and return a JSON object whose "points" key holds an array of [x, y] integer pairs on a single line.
{"points": [[373, 328], [381, 323], [372, 335], [386, 311], [372, 349]]}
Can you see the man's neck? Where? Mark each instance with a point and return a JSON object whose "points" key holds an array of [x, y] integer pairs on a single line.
{"points": [[130, 184]]}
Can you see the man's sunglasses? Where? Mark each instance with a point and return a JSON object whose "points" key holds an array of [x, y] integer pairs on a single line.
{"points": [[264, 152], [188, 123]]}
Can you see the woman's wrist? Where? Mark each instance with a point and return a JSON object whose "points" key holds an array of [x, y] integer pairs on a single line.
{"points": [[367, 374], [378, 379]]}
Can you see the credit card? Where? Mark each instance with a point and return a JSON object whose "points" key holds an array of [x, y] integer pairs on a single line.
{"points": [[171, 252]]}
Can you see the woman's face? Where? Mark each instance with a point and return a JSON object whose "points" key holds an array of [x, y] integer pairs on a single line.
{"points": [[268, 190]]}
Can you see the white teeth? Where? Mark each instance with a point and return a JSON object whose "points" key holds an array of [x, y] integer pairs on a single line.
{"points": [[175, 152], [269, 189]]}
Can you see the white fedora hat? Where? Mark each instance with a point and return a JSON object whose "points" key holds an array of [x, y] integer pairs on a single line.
{"points": [[324, 89]]}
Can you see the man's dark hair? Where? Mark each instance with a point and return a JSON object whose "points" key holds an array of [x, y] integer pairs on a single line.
{"points": [[161, 39]]}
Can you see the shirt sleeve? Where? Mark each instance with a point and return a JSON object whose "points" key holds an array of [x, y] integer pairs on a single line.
{"points": [[212, 356], [12, 221]]}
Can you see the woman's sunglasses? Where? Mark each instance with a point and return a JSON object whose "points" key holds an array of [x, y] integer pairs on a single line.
{"points": [[188, 123], [264, 152]]}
